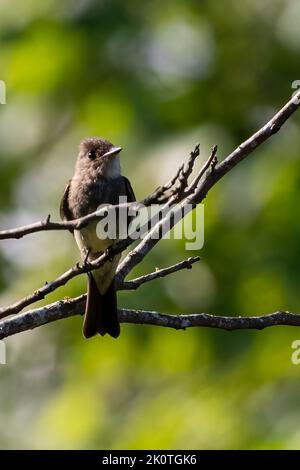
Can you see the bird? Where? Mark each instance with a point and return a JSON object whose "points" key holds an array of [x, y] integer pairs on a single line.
{"points": [[97, 180]]}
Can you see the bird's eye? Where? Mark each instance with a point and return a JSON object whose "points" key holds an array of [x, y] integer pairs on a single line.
{"points": [[92, 154]]}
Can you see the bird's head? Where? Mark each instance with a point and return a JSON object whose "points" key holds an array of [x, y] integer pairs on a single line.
{"points": [[100, 155]]}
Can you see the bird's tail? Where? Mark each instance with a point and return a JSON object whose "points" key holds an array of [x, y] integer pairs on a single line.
{"points": [[101, 313]]}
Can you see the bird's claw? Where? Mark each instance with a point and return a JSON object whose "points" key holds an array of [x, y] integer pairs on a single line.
{"points": [[86, 263]]}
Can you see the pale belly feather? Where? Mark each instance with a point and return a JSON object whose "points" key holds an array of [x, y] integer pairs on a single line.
{"points": [[88, 240]]}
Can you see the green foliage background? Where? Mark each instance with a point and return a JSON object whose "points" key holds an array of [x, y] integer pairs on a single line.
{"points": [[155, 77]]}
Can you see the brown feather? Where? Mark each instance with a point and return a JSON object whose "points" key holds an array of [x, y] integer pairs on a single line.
{"points": [[101, 314]]}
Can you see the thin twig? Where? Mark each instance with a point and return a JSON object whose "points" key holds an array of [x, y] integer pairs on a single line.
{"points": [[211, 163], [135, 283], [185, 173]]}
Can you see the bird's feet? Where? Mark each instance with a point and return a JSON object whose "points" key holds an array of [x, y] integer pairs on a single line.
{"points": [[86, 264]]}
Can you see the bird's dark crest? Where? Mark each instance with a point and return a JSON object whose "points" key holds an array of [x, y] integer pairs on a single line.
{"points": [[95, 143]]}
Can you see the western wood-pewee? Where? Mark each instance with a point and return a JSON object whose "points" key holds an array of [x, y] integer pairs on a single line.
{"points": [[97, 180]]}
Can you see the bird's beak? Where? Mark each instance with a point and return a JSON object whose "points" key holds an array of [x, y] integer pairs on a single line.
{"points": [[112, 151]]}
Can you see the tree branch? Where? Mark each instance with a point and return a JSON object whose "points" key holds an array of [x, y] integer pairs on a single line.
{"points": [[72, 307], [135, 283], [76, 224], [41, 293], [51, 286], [157, 197], [241, 152], [209, 178], [211, 162], [190, 196]]}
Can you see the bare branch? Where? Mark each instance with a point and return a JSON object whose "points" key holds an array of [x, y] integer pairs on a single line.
{"points": [[181, 322], [186, 172], [49, 287], [247, 147], [160, 195], [76, 224], [204, 182], [209, 179], [241, 152], [77, 270], [211, 163], [135, 283], [71, 307]]}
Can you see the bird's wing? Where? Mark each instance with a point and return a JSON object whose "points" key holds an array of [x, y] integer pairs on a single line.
{"points": [[130, 197], [64, 210], [129, 191]]}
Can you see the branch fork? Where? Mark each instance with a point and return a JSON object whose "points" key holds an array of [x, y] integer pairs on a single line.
{"points": [[175, 195]]}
